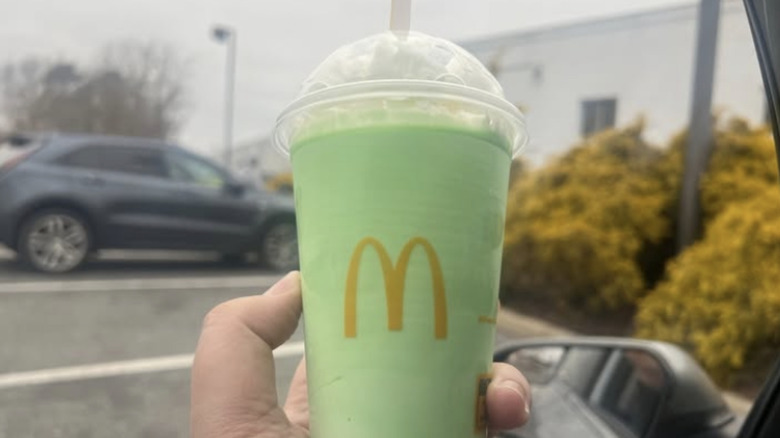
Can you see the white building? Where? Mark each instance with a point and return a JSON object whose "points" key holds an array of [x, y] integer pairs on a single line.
{"points": [[576, 78]]}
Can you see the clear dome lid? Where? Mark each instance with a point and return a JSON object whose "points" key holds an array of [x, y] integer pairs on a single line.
{"points": [[410, 56], [394, 78]]}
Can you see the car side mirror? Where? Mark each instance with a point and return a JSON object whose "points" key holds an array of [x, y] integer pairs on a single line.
{"points": [[615, 387], [538, 364]]}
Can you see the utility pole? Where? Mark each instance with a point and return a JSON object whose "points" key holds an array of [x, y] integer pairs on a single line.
{"points": [[700, 131]]}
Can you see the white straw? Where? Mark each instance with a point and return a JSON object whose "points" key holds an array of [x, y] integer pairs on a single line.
{"points": [[400, 15]]}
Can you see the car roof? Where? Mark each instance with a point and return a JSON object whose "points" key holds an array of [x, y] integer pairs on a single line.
{"points": [[106, 140], [78, 139]]}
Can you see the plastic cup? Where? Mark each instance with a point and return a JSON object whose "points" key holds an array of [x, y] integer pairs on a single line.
{"points": [[401, 149]]}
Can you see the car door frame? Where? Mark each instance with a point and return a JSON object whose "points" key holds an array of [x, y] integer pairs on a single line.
{"points": [[763, 421], [769, 61]]}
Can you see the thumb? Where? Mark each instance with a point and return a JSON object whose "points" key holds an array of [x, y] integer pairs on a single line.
{"points": [[233, 376]]}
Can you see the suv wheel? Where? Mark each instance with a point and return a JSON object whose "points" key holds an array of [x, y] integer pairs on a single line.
{"points": [[54, 241], [279, 246]]}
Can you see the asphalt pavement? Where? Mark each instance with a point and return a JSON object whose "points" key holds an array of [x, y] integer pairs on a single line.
{"points": [[106, 351]]}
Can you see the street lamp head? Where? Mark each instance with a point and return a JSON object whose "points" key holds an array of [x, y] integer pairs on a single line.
{"points": [[221, 33]]}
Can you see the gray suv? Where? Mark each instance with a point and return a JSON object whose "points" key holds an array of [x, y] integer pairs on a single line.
{"points": [[63, 197]]}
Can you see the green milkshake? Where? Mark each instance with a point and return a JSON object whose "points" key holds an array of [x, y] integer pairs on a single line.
{"points": [[400, 191]]}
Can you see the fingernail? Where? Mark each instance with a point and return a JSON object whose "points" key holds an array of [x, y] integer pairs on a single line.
{"points": [[285, 285], [516, 388]]}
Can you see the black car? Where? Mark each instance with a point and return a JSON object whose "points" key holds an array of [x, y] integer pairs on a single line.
{"points": [[63, 197]]}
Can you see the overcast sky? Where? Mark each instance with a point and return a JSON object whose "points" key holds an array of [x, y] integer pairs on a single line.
{"points": [[279, 41]]}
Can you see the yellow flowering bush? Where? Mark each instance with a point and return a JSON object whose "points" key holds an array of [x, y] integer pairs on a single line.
{"points": [[594, 230], [721, 298], [742, 164], [576, 227]]}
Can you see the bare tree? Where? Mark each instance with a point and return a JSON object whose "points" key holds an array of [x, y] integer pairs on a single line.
{"points": [[134, 88], [154, 93], [34, 90]]}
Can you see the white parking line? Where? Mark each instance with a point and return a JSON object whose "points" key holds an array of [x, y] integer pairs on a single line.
{"points": [[113, 285], [114, 369]]}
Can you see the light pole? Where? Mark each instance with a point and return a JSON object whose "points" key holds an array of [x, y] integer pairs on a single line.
{"points": [[227, 35], [700, 135]]}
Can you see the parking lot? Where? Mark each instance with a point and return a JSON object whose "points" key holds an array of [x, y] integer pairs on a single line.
{"points": [[105, 352]]}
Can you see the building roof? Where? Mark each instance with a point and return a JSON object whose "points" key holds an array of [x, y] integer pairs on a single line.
{"points": [[685, 12]]}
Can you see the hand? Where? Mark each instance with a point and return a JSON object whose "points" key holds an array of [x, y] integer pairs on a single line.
{"points": [[233, 375]]}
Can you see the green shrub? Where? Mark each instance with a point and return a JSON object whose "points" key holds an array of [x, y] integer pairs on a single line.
{"points": [[576, 227], [721, 298]]}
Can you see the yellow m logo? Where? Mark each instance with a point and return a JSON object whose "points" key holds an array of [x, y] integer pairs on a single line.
{"points": [[395, 281]]}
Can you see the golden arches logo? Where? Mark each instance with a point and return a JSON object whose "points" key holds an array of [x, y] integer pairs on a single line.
{"points": [[395, 282]]}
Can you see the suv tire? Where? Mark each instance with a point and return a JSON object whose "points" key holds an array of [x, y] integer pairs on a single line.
{"points": [[54, 241], [279, 246]]}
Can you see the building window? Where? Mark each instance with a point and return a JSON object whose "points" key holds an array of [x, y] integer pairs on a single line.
{"points": [[598, 115]]}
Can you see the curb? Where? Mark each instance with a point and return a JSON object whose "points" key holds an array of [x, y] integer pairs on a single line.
{"points": [[518, 325]]}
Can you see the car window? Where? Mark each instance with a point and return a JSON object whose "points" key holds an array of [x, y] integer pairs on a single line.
{"points": [[635, 388], [122, 159], [645, 204], [186, 168], [87, 157], [134, 160]]}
